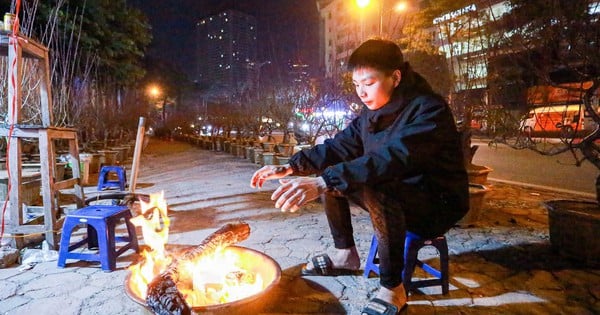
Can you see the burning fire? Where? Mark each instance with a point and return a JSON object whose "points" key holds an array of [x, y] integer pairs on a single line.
{"points": [[212, 279]]}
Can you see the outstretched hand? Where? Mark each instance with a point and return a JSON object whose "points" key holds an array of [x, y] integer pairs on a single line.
{"points": [[269, 172], [295, 193]]}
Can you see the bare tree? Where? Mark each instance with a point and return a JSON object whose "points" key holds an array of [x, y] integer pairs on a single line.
{"points": [[89, 67], [550, 43]]}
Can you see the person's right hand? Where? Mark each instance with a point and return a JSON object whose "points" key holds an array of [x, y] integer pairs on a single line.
{"points": [[269, 172]]}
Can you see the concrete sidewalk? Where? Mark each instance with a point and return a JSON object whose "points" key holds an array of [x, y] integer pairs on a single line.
{"points": [[502, 265]]}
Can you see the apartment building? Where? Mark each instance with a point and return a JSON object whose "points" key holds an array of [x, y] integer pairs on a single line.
{"points": [[226, 49]]}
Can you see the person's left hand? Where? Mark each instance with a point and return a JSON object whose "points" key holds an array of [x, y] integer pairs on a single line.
{"points": [[294, 193], [269, 172]]}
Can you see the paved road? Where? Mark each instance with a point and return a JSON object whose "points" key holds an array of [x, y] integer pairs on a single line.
{"points": [[530, 167], [502, 265]]}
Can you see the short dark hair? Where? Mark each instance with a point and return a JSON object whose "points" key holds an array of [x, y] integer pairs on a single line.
{"points": [[380, 54]]}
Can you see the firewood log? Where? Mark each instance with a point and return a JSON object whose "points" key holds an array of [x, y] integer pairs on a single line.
{"points": [[163, 297]]}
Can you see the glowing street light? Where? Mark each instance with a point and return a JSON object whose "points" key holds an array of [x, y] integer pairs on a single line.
{"points": [[399, 7], [362, 3], [154, 91]]}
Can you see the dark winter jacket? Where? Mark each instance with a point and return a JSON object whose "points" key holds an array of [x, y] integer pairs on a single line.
{"points": [[409, 150]]}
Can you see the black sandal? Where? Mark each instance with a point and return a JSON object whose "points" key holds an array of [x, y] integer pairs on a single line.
{"points": [[322, 266], [380, 307]]}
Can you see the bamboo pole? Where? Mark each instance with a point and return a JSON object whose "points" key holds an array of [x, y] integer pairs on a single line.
{"points": [[139, 141]]}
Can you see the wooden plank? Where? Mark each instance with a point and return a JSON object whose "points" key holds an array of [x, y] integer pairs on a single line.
{"points": [[15, 210], [139, 141], [19, 132], [58, 224], [67, 183], [14, 79], [46, 146], [15, 71], [25, 131], [77, 188], [62, 133], [32, 49], [27, 229], [24, 173], [45, 94]]}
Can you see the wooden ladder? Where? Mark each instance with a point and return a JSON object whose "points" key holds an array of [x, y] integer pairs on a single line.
{"points": [[17, 48]]}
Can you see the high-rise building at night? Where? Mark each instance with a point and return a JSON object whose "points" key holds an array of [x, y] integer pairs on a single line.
{"points": [[226, 45]]}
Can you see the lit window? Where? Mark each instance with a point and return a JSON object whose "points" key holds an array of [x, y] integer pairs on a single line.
{"points": [[594, 8]]}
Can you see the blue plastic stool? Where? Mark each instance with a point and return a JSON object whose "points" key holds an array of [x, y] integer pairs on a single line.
{"points": [[101, 221], [412, 245], [104, 181]]}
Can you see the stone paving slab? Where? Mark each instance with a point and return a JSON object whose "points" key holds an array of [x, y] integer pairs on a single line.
{"points": [[501, 265]]}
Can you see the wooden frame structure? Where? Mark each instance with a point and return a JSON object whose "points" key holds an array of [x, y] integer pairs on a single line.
{"points": [[17, 48]]}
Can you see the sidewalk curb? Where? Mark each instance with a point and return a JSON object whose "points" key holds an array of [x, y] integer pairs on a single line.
{"points": [[573, 192]]}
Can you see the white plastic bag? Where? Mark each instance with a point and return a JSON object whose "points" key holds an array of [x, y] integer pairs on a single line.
{"points": [[32, 256]]}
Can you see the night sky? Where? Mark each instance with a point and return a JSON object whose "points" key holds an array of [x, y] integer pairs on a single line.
{"points": [[287, 29]]}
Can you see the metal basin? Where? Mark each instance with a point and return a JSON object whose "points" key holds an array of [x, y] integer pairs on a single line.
{"points": [[257, 263]]}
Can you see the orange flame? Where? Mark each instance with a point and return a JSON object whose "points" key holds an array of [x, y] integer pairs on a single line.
{"points": [[155, 260], [209, 280]]}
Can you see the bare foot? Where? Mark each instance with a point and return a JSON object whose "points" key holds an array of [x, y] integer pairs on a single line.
{"points": [[396, 296], [342, 259]]}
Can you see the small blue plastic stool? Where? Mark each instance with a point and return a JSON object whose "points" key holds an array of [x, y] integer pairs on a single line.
{"points": [[413, 243], [101, 221], [104, 180]]}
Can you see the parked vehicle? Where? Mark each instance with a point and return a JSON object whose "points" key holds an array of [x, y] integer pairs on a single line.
{"points": [[558, 111], [559, 120]]}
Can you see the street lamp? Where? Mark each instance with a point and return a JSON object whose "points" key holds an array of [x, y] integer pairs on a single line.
{"points": [[155, 92], [400, 6], [361, 4]]}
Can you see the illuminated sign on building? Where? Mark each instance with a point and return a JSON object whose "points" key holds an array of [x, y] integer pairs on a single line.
{"points": [[454, 14]]}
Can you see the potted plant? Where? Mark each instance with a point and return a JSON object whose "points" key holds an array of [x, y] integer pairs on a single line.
{"points": [[477, 179], [478, 174]]}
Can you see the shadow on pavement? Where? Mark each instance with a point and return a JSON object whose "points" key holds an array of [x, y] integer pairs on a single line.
{"points": [[530, 257], [298, 295]]}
